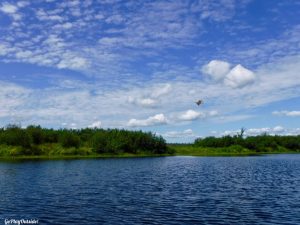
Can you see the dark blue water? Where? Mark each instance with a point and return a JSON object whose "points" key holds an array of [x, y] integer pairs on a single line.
{"points": [[166, 190]]}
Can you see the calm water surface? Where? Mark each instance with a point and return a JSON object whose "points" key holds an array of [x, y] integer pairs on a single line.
{"points": [[165, 190]]}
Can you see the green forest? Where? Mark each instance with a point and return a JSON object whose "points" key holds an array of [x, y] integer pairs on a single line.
{"points": [[35, 140], [260, 143]]}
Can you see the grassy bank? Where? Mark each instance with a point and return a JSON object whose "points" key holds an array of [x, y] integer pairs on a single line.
{"points": [[55, 151], [192, 150]]}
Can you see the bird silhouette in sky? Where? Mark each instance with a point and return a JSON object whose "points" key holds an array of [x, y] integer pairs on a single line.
{"points": [[199, 102]]}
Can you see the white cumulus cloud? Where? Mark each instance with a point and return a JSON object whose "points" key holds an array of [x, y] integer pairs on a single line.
{"points": [[239, 77], [278, 129], [150, 97], [190, 115], [216, 69], [145, 102], [213, 113], [96, 124], [158, 119]]}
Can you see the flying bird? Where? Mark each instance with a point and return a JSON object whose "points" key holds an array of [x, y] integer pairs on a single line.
{"points": [[199, 102]]}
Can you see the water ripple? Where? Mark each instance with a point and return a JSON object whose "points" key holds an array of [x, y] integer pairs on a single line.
{"points": [[168, 190]]}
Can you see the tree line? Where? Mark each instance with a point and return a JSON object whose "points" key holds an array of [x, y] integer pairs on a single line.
{"points": [[260, 143], [31, 140]]}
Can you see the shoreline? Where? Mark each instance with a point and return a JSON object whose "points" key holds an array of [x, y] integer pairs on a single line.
{"points": [[65, 157], [174, 150], [112, 156]]}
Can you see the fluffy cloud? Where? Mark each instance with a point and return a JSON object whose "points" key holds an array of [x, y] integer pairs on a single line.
{"points": [[150, 97], [72, 62], [8, 8], [213, 113], [158, 119], [286, 113], [144, 102], [239, 77], [216, 69], [147, 102], [191, 115], [96, 124], [278, 129]]}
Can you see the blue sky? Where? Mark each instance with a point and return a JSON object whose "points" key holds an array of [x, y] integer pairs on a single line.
{"points": [[143, 64]]}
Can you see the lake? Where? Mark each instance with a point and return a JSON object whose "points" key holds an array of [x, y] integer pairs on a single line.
{"points": [[159, 190]]}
